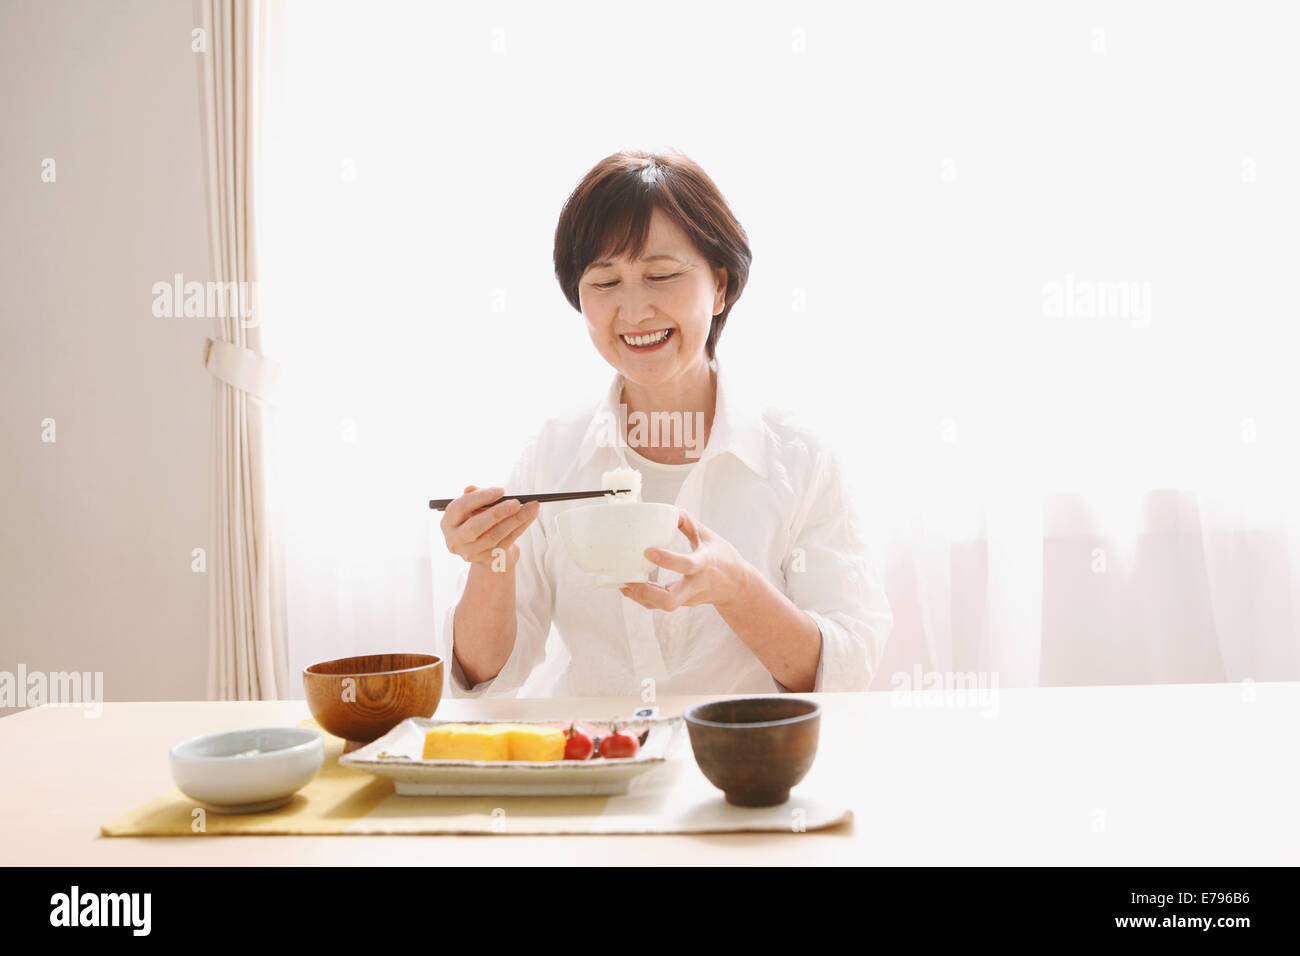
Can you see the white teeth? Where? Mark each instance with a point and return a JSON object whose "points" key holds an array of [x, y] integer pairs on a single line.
{"points": [[647, 339]]}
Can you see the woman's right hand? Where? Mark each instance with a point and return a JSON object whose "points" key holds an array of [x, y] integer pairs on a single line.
{"points": [[474, 532]]}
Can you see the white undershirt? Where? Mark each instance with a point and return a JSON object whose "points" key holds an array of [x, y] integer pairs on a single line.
{"points": [[659, 482]]}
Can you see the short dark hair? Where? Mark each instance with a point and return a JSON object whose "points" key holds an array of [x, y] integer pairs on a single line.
{"points": [[608, 214]]}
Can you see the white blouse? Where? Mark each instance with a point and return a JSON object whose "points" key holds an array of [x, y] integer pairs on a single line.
{"points": [[766, 485]]}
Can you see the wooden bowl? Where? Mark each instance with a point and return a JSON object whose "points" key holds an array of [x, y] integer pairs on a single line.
{"points": [[755, 749], [362, 698]]}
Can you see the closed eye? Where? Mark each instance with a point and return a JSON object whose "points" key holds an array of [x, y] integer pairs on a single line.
{"points": [[610, 285]]}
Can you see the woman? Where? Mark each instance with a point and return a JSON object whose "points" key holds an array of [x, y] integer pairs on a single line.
{"points": [[767, 586]]}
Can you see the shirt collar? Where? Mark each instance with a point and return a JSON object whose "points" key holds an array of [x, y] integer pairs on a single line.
{"points": [[737, 429]]}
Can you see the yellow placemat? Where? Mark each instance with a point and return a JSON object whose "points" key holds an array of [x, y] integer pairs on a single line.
{"points": [[674, 798]]}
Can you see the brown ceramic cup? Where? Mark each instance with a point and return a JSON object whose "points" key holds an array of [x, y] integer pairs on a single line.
{"points": [[754, 749]]}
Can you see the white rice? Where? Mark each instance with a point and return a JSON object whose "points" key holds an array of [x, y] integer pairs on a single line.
{"points": [[628, 478]]}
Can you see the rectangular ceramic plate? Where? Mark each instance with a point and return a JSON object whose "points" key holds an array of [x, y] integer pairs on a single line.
{"points": [[403, 746]]}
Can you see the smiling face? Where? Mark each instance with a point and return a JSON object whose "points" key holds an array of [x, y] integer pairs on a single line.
{"points": [[650, 318]]}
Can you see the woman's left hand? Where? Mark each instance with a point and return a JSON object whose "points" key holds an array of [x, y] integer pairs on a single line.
{"points": [[713, 573]]}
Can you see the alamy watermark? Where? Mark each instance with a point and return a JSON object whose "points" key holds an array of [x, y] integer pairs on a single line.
{"points": [[56, 688], [1092, 299], [922, 688], [77, 908], [652, 430], [206, 300]]}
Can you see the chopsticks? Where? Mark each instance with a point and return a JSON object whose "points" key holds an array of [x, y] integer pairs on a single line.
{"points": [[440, 504]]}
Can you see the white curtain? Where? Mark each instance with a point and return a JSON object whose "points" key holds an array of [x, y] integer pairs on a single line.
{"points": [[1034, 282], [248, 650], [1194, 588]]}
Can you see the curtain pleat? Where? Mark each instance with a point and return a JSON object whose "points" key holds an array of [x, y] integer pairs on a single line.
{"points": [[248, 655]]}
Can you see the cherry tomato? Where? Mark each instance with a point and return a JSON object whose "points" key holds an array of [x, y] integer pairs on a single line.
{"points": [[619, 743], [577, 745]]}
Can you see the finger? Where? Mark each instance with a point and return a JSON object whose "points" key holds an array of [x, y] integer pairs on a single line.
{"points": [[480, 498], [523, 519], [478, 525], [684, 592], [471, 501], [631, 595], [636, 592], [689, 528], [469, 545], [448, 524], [502, 534], [653, 596], [672, 560]]}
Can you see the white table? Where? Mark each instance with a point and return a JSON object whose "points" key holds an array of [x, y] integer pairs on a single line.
{"points": [[1146, 775]]}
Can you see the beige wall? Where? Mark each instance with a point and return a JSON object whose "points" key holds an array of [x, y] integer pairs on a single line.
{"points": [[97, 528]]}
